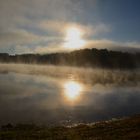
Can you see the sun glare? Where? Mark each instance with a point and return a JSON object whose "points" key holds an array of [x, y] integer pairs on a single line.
{"points": [[73, 38], [72, 90]]}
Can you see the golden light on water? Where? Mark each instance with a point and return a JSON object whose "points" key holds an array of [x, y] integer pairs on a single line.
{"points": [[72, 90], [73, 38]]}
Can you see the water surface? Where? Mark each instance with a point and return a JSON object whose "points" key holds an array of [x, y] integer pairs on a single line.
{"points": [[53, 95]]}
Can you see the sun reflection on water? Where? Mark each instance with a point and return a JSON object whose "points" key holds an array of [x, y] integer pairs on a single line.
{"points": [[72, 90]]}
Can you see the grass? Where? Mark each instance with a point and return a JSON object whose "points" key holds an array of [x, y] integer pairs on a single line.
{"points": [[124, 129]]}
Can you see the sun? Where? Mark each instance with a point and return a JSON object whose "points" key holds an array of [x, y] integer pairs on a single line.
{"points": [[73, 33], [73, 39]]}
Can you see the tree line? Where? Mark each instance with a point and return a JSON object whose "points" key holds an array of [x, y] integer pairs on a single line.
{"points": [[102, 58]]}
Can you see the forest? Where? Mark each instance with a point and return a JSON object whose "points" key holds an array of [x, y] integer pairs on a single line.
{"points": [[102, 58]]}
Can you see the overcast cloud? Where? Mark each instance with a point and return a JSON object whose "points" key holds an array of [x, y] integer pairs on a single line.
{"points": [[38, 26]]}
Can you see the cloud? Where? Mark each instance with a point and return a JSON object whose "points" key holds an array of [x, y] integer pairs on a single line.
{"points": [[39, 26], [100, 28], [61, 26], [113, 45], [30, 13], [36, 10], [18, 41], [99, 44], [28, 35], [17, 37]]}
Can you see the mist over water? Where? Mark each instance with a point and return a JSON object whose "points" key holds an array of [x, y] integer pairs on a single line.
{"points": [[56, 95]]}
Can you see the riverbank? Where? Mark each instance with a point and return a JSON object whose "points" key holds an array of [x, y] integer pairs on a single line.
{"points": [[117, 129]]}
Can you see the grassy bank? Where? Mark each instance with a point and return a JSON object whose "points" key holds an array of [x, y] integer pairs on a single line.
{"points": [[124, 129]]}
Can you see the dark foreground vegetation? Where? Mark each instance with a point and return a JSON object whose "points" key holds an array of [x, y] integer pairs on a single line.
{"points": [[83, 58], [121, 129]]}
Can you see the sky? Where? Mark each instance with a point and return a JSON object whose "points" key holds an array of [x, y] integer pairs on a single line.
{"points": [[40, 26]]}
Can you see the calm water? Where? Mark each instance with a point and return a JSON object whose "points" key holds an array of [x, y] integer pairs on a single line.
{"points": [[52, 95]]}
